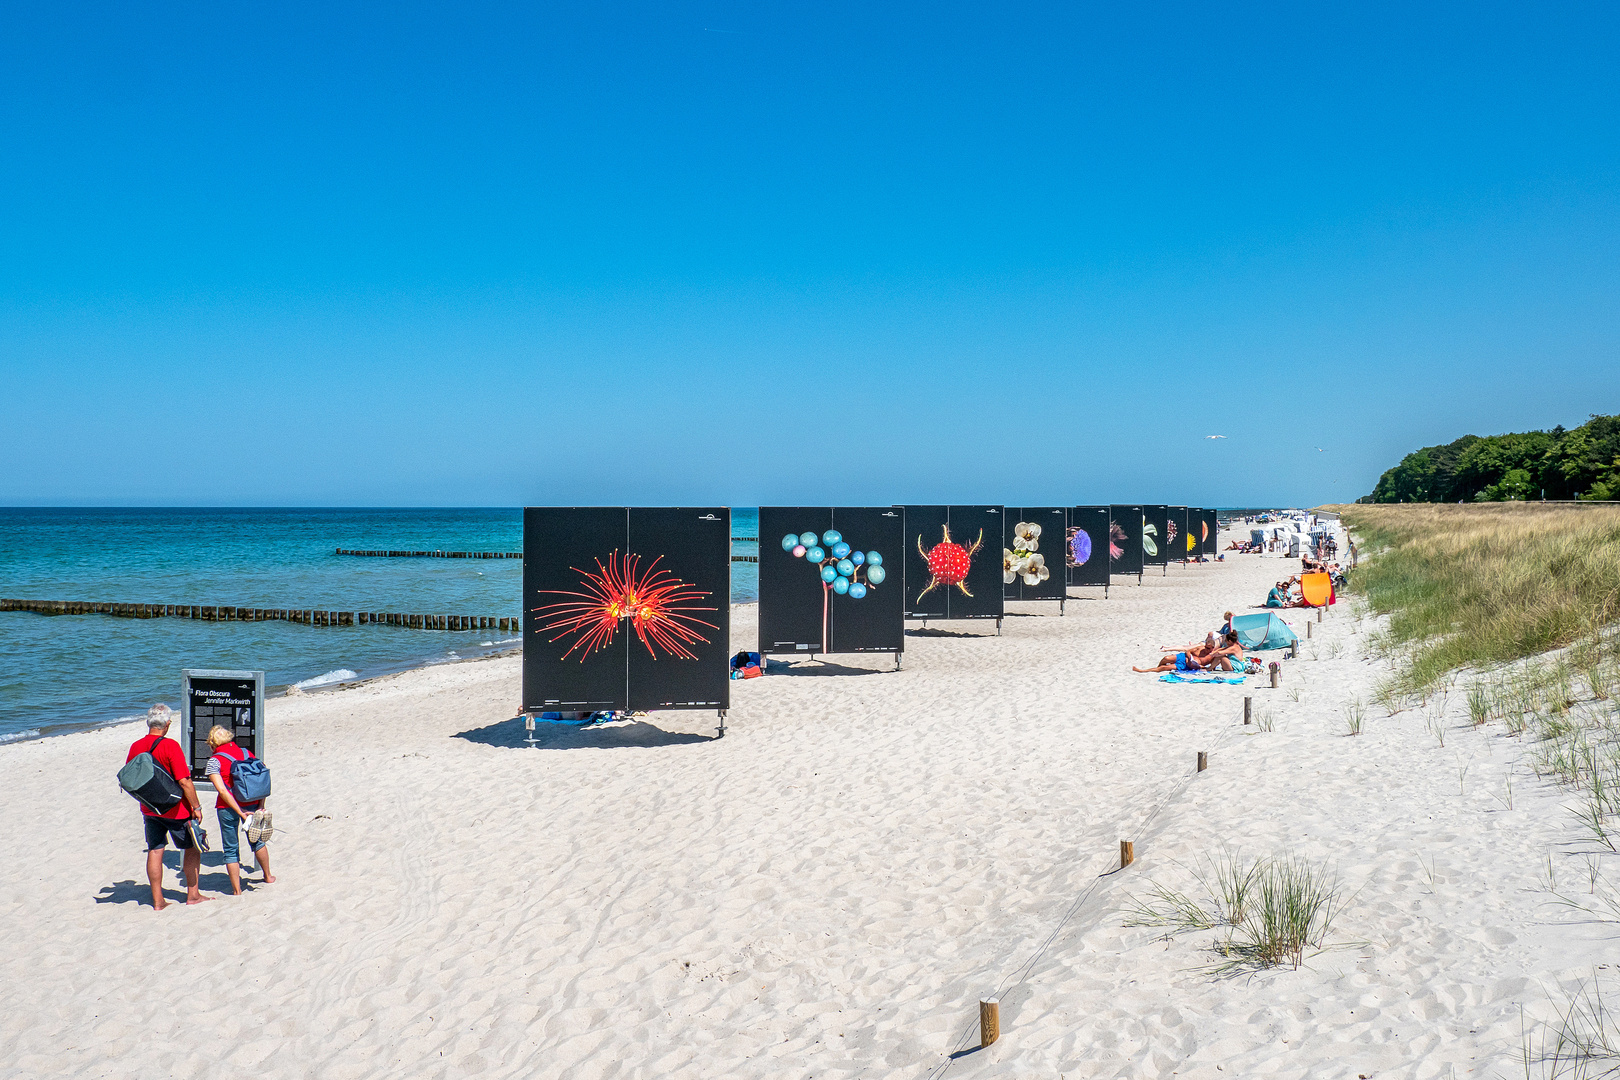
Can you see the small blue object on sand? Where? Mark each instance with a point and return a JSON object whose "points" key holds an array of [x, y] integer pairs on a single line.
{"points": [[578, 719]]}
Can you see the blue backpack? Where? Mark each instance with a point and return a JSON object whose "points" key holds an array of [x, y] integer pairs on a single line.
{"points": [[250, 779]]}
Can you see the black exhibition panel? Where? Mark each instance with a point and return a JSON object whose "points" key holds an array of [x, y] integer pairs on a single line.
{"points": [[561, 544], [1212, 530], [693, 545], [1125, 539], [1087, 555], [587, 646], [953, 562], [1054, 526], [228, 699], [1154, 551], [789, 607], [1176, 531], [799, 612]]}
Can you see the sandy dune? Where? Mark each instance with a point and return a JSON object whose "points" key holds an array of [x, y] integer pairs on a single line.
{"points": [[827, 891]]}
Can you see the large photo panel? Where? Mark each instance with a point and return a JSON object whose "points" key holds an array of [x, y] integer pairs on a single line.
{"points": [[1033, 539], [1176, 532], [1212, 530], [572, 662], [1154, 551], [868, 616], [952, 562], [924, 527], [1124, 539], [680, 652], [1087, 554], [790, 600]]}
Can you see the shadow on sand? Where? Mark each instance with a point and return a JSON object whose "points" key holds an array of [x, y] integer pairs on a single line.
{"points": [[510, 734], [929, 631], [130, 892], [822, 667]]}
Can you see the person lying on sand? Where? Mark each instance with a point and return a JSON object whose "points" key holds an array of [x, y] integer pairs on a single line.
{"points": [[1181, 661]]}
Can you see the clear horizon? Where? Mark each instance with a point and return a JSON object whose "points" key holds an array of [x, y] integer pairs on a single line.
{"points": [[724, 254]]}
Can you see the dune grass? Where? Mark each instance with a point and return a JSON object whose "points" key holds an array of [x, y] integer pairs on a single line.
{"points": [[1473, 586], [1581, 1042], [1269, 910]]}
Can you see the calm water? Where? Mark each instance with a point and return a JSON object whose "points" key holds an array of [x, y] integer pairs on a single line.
{"points": [[60, 673]]}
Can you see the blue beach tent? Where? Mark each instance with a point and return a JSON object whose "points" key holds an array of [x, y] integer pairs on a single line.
{"points": [[1263, 631]]}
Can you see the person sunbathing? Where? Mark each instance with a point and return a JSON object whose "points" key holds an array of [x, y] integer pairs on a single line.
{"points": [[1229, 657], [1181, 661]]}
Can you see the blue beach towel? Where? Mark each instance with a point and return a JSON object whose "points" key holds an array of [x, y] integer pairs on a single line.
{"points": [[1171, 676]]}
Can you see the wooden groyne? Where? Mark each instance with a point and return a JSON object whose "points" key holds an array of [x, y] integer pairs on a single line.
{"points": [[499, 554], [433, 554], [303, 616]]}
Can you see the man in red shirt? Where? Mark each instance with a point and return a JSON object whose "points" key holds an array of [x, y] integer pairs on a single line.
{"points": [[170, 824]]}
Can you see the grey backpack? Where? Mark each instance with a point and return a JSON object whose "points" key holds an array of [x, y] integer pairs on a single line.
{"points": [[150, 783]]}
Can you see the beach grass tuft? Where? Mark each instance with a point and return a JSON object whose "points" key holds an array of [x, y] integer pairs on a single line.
{"points": [[1270, 909], [1354, 713], [1581, 1042]]}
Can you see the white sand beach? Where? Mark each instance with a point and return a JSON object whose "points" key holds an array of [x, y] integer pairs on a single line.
{"points": [[829, 889]]}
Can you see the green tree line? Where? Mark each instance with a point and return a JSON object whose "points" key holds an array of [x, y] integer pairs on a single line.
{"points": [[1583, 463]]}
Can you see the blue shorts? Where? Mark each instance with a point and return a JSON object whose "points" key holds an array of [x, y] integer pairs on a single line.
{"points": [[229, 822], [1181, 663]]}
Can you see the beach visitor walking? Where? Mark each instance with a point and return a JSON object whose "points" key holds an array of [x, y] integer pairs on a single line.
{"points": [[232, 814], [170, 824]]}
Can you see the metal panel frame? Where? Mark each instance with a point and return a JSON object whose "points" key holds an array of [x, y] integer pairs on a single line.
{"points": [[186, 735]]}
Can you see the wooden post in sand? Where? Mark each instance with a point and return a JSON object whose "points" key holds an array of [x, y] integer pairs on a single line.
{"points": [[1203, 760], [1274, 673], [1248, 710], [989, 1021], [1127, 853], [1307, 628]]}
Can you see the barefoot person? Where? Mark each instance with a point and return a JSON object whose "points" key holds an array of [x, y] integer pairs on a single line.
{"points": [[171, 823], [1181, 661], [231, 812]]}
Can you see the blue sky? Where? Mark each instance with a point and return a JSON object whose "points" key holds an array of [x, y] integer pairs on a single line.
{"points": [[494, 255]]}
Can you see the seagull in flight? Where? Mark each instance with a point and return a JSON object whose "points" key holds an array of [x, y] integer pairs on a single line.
{"points": [[1214, 436], [1319, 450]]}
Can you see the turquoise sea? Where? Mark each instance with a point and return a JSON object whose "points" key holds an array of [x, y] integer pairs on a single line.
{"points": [[68, 672]]}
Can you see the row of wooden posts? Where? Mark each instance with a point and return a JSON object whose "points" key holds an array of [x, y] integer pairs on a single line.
{"points": [[305, 616], [434, 554], [990, 1008]]}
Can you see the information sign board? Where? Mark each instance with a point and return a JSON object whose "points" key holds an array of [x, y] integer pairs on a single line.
{"points": [[228, 699]]}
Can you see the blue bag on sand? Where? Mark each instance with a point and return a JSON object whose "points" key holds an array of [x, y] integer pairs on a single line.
{"points": [[250, 780]]}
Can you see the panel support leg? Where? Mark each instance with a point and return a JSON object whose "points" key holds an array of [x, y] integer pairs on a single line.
{"points": [[897, 660], [722, 732]]}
